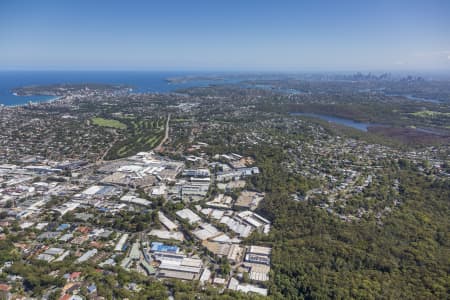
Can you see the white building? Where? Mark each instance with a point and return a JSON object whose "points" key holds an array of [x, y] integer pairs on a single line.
{"points": [[188, 215]]}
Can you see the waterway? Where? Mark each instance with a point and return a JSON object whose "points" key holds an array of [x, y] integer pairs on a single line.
{"points": [[337, 120]]}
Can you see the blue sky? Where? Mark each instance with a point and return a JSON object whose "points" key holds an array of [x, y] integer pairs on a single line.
{"points": [[334, 35]]}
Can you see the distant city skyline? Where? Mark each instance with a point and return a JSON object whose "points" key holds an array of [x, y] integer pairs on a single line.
{"points": [[290, 36]]}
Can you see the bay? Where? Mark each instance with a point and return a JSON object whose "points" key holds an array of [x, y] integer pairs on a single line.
{"points": [[141, 81]]}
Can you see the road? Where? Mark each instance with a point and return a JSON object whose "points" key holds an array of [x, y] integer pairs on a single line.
{"points": [[99, 161], [166, 136]]}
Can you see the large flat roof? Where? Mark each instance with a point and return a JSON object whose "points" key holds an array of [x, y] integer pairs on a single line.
{"points": [[189, 215]]}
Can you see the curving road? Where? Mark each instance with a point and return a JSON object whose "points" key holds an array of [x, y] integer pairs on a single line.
{"points": [[166, 136]]}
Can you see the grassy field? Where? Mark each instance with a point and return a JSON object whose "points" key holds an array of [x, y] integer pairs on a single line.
{"points": [[111, 123]]}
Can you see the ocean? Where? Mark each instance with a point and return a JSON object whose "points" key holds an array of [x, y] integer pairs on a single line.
{"points": [[141, 81]]}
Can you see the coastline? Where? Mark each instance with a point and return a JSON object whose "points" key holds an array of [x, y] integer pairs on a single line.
{"points": [[32, 102]]}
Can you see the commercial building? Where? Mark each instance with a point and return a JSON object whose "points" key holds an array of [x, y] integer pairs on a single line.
{"points": [[257, 259], [221, 201], [185, 269], [196, 173], [166, 221], [134, 252], [248, 200], [121, 243], [233, 252], [131, 199], [206, 231], [160, 247], [246, 288], [188, 215], [167, 235]]}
